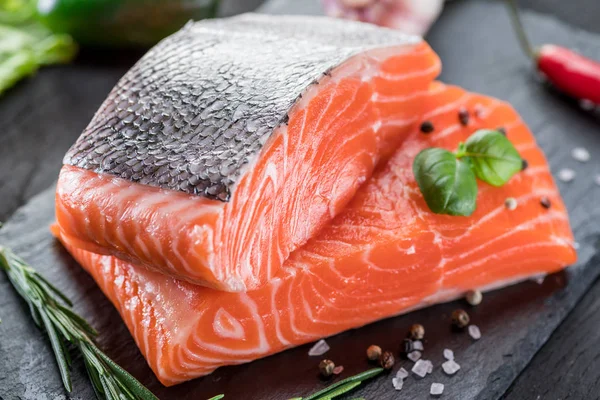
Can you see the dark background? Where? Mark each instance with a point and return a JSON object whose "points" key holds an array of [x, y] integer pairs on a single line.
{"points": [[42, 116]]}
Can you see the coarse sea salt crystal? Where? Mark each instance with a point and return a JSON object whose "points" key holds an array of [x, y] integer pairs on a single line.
{"points": [[418, 345], [420, 368], [474, 332], [320, 348], [436, 389], [597, 180], [398, 383], [414, 356], [402, 373], [566, 175], [448, 354], [450, 367], [580, 154], [429, 366]]}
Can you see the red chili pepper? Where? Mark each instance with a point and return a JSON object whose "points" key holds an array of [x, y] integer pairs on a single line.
{"points": [[572, 73]]}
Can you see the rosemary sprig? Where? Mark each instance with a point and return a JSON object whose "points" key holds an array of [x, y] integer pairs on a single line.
{"points": [[51, 310], [343, 386]]}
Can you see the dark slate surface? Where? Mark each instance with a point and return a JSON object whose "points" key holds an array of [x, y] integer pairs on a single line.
{"points": [[515, 322]]}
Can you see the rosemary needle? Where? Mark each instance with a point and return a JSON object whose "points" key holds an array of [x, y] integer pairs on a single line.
{"points": [[327, 392], [51, 310], [217, 397]]}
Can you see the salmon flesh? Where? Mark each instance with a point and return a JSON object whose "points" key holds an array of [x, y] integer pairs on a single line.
{"points": [[234, 141], [386, 253]]}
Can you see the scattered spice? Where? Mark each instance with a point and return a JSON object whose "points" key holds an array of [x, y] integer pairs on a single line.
{"points": [[397, 383], [417, 332], [502, 130], [566, 175], [373, 352], [338, 370], [402, 374], [420, 368], [427, 127], [460, 319], [510, 203], [545, 202], [436, 389], [414, 356], [387, 360], [580, 154], [319, 348], [448, 354], [474, 332], [450, 367], [407, 346], [474, 297], [418, 345], [326, 367], [524, 164], [463, 116]]}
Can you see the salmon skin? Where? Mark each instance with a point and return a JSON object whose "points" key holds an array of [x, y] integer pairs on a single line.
{"points": [[384, 255], [234, 141]]}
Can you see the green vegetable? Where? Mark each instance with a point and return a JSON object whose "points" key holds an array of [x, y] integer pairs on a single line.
{"points": [[51, 311], [122, 23], [332, 389], [447, 183], [448, 180], [493, 157], [25, 45], [217, 397]]}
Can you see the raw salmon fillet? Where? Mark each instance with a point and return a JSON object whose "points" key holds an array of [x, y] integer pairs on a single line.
{"points": [[234, 141], [385, 254]]}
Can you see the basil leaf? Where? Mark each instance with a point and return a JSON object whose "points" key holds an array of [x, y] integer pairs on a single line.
{"points": [[447, 183], [493, 157]]}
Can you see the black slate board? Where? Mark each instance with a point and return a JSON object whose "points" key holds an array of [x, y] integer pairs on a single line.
{"points": [[515, 321]]}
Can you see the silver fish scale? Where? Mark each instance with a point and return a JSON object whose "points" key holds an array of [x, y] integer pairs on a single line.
{"points": [[203, 102]]}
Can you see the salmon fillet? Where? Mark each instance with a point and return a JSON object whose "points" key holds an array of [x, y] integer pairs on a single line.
{"points": [[384, 255], [234, 141]]}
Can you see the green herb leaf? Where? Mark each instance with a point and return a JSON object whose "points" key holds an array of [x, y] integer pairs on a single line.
{"points": [[51, 310], [340, 390], [355, 378], [447, 183], [493, 157], [217, 397]]}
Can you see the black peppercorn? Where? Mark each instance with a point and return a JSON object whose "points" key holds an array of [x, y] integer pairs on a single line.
{"points": [[326, 367], [545, 202], [407, 346], [387, 360], [524, 164], [463, 116], [427, 127], [417, 332], [460, 318], [502, 130], [373, 352]]}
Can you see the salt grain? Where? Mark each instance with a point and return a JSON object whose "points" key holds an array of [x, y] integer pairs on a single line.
{"points": [[429, 366], [566, 175], [398, 383], [474, 332], [587, 105], [448, 354], [450, 367], [510, 203], [338, 370], [418, 345], [597, 180], [414, 356], [580, 154], [436, 389], [320, 348], [420, 368], [402, 373]]}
